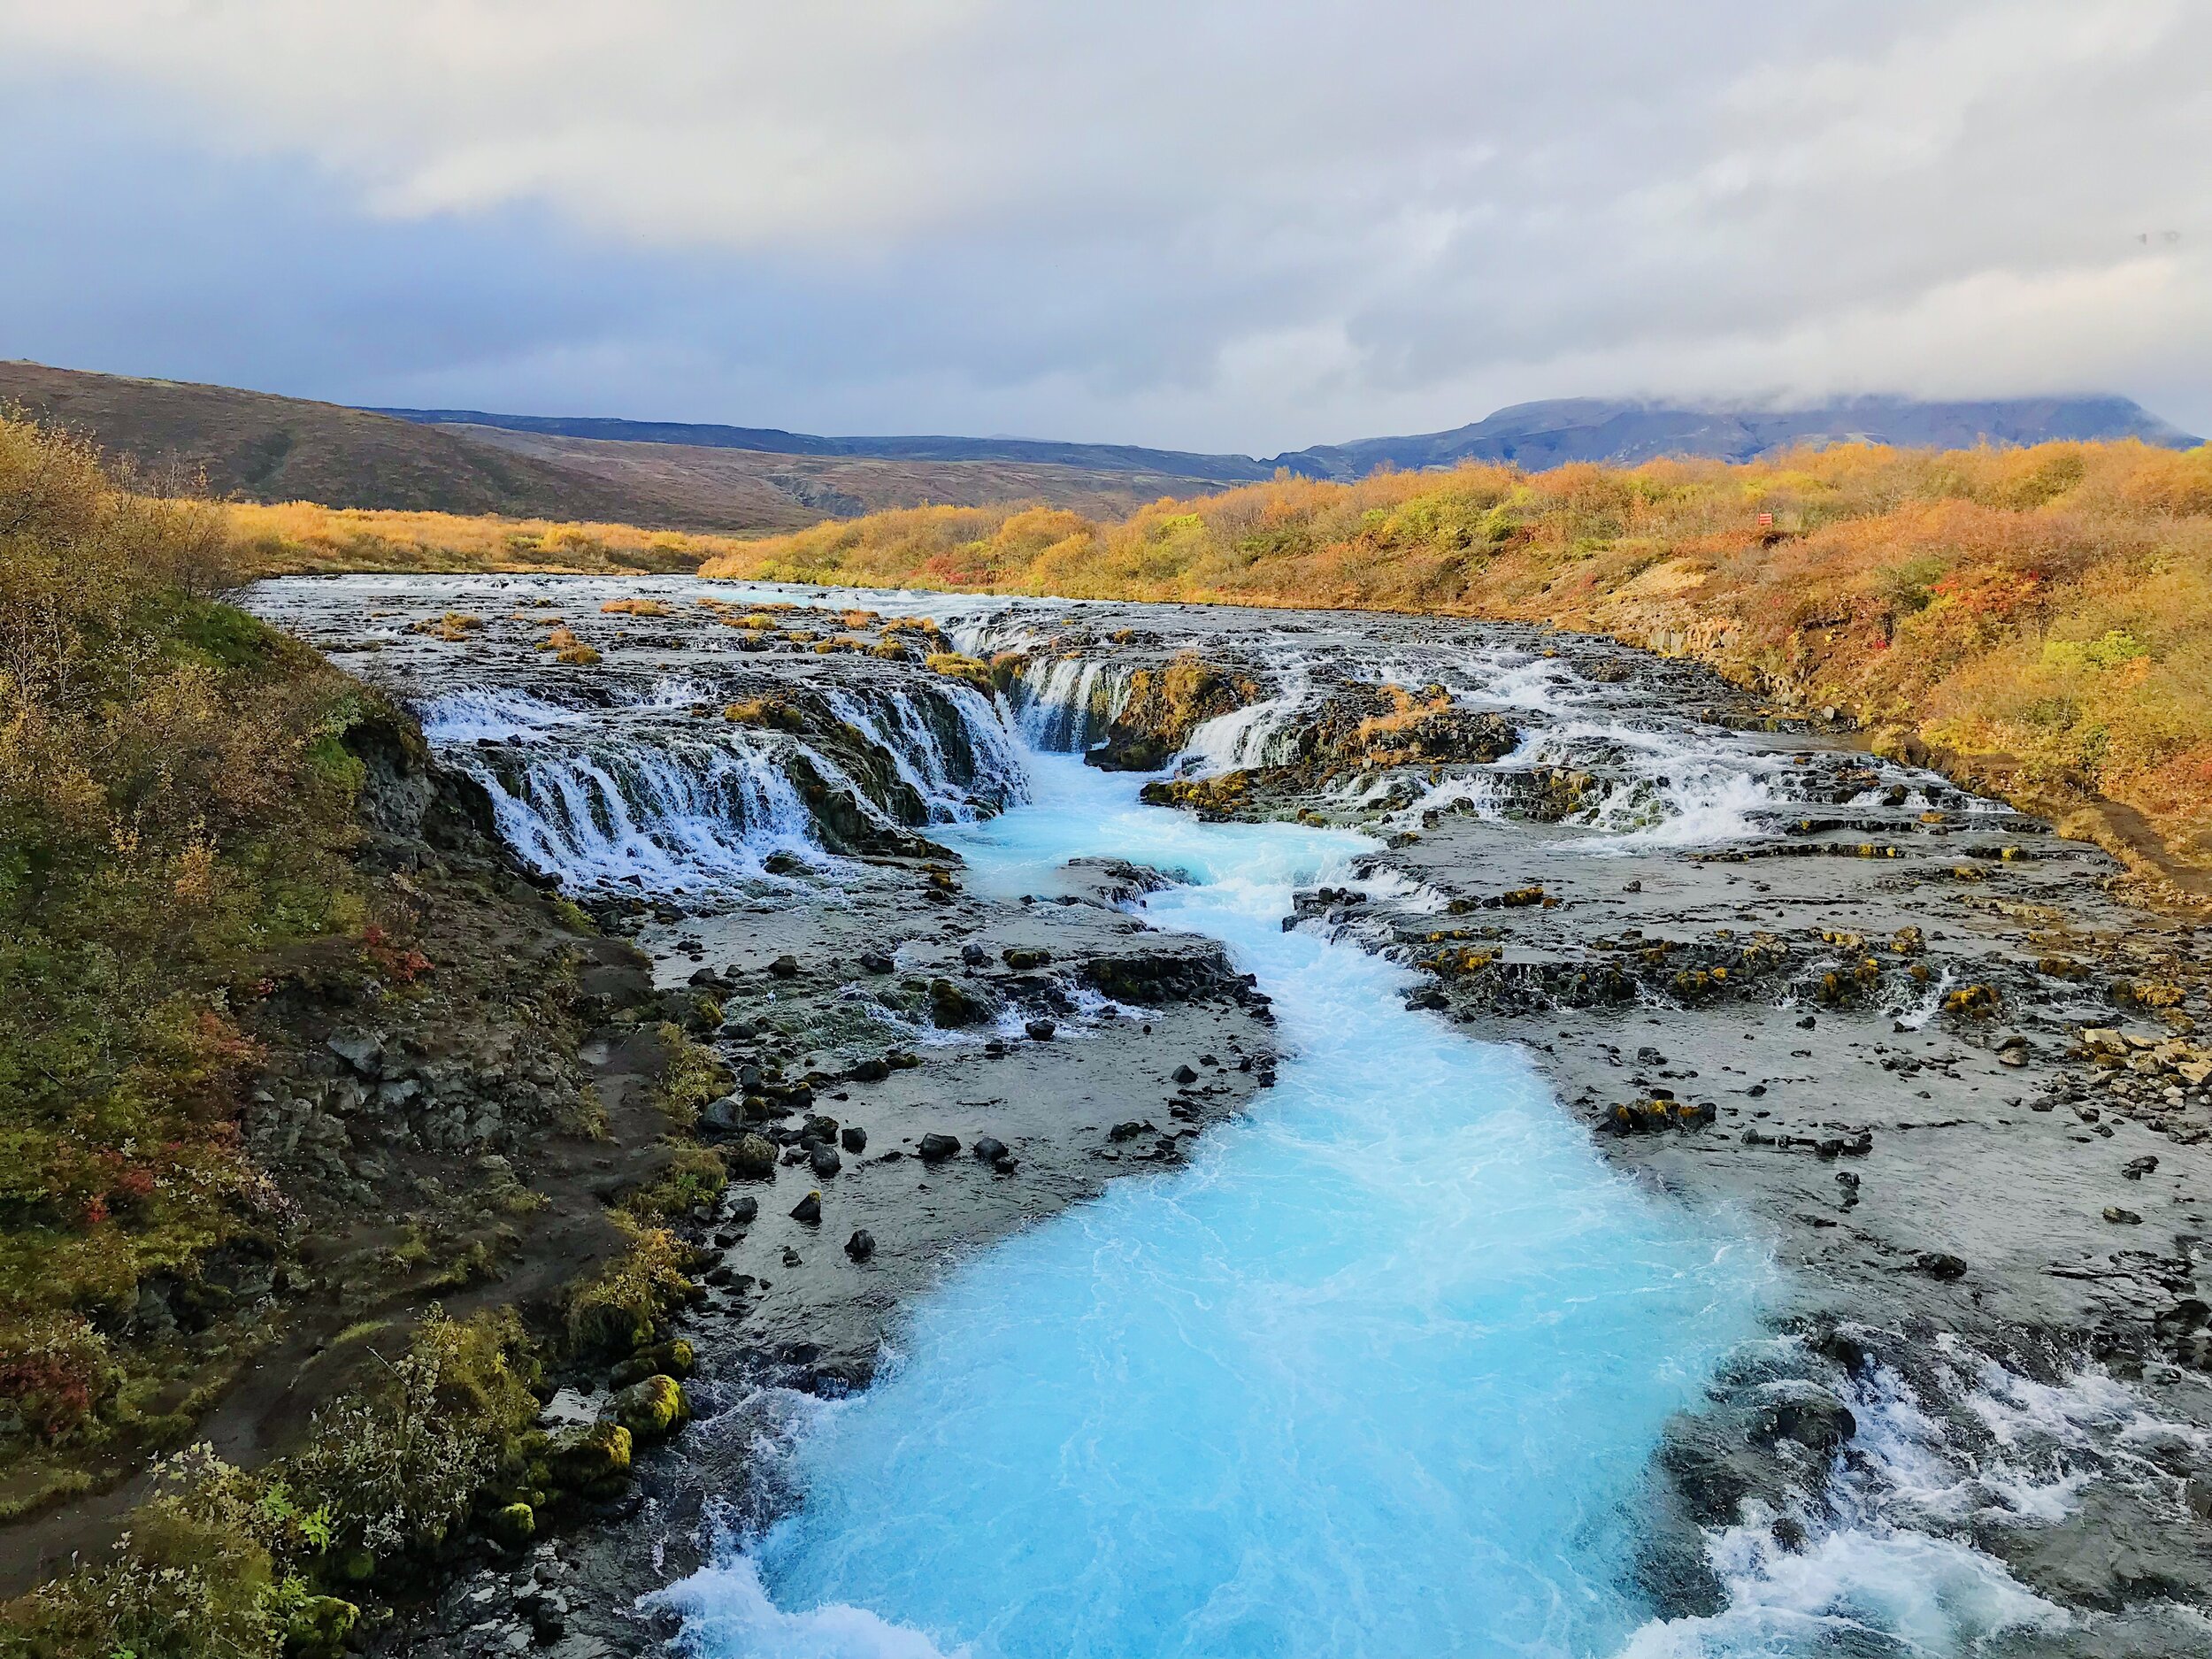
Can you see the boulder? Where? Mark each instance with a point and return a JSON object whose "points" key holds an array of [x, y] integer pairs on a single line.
{"points": [[935, 1146], [853, 1138], [514, 1524], [590, 1459], [862, 1244], [1040, 1030], [653, 1410], [952, 1005], [751, 1157], [808, 1209]]}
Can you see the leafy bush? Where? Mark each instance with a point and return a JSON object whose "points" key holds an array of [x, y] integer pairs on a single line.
{"points": [[396, 1467]]}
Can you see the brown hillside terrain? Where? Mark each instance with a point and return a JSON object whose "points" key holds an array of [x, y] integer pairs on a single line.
{"points": [[252, 446], [255, 447], [805, 488]]}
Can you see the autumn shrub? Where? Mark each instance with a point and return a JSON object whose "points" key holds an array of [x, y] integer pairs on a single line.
{"points": [[214, 1563], [396, 1464], [175, 802]]}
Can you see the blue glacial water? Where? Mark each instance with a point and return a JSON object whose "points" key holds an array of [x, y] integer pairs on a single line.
{"points": [[1378, 1372]]}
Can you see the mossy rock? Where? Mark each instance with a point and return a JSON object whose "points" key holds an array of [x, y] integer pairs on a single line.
{"points": [[590, 1459], [513, 1525], [673, 1358], [318, 1628], [751, 1157], [653, 1410], [952, 1004]]}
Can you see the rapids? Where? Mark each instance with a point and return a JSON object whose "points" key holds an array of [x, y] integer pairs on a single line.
{"points": [[1380, 1373]]}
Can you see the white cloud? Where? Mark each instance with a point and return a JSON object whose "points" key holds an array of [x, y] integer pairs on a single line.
{"points": [[1252, 225]]}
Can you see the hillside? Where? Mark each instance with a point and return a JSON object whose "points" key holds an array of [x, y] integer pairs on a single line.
{"points": [[253, 446], [1096, 457], [2037, 620], [262, 448]]}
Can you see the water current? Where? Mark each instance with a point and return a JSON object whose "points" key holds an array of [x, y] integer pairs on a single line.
{"points": [[1380, 1373]]}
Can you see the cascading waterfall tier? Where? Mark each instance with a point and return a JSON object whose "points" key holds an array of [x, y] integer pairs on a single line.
{"points": [[659, 790]]}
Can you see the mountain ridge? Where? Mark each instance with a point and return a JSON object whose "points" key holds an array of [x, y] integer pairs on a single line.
{"points": [[1548, 433]]}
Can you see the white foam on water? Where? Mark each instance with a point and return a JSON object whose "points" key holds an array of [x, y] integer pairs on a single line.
{"points": [[487, 714], [1262, 734]]}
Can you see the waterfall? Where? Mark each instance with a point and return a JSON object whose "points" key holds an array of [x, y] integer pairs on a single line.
{"points": [[1066, 708], [620, 794], [1264, 733], [673, 815]]}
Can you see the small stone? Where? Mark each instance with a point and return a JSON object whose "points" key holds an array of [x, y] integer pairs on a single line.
{"points": [[2122, 1217], [1040, 1030], [785, 967], [808, 1209], [974, 955], [2136, 1169], [990, 1149], [862, 1244], [359, 1050], [853, 1138], [876, 962], [744, 1212], [1183, 1075], [825, 1161], [1940, 1264], [1807, 1024], [936, 1146]]}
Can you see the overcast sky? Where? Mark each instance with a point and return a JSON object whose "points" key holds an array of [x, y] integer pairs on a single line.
{"points": [[1237, 226]]}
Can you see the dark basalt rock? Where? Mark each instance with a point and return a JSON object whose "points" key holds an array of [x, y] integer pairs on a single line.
{"points": [[937, 1147], [952, 1005]]}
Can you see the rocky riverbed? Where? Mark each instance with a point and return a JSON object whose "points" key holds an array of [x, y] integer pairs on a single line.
{"points": [[1934, 1058]]}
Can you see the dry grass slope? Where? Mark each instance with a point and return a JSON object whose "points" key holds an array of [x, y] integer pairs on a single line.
{"points": [[2038, 621]]}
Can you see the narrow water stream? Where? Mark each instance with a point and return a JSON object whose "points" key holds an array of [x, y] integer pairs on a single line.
{"points": [[1380, 1373]]}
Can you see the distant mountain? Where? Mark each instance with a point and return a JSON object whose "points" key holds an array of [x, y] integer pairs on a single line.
{"points": [[1535, 435], [1095, 458], [1548, 434]]}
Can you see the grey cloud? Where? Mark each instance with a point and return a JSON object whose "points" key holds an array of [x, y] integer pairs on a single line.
{"points": [[1236, 225]]}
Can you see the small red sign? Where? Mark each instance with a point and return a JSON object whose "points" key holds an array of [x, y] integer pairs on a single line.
{"points": [[1766, 521]]}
